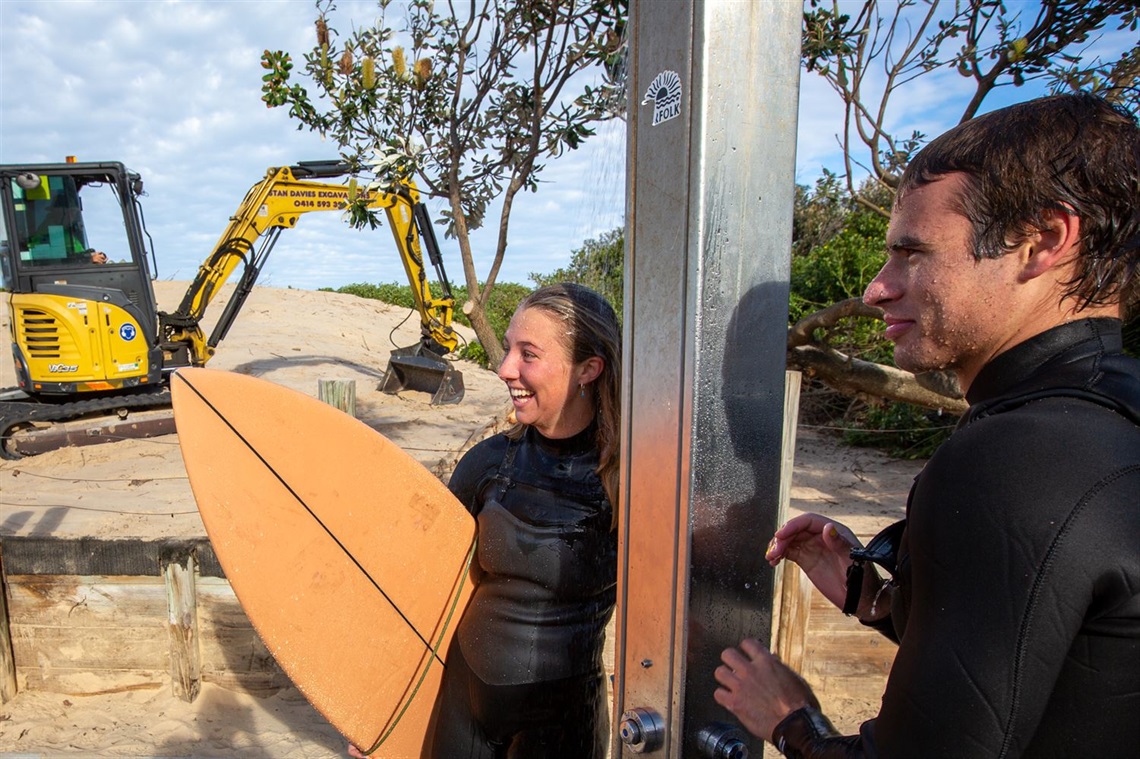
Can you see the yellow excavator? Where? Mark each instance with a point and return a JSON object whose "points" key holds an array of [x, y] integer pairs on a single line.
{"points": [[87, 336]]}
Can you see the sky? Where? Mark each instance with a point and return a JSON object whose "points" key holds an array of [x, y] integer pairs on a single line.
{"points": [[173, 90]]}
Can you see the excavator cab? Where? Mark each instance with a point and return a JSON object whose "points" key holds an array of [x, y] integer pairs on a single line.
{"points": [[77, 279]]}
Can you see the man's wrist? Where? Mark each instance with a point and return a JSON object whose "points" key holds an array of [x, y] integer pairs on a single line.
{"points": [[796, 732]]}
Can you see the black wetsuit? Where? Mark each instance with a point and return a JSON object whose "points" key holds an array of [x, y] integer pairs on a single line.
{"points": [[1016, 600], [524, 677]]}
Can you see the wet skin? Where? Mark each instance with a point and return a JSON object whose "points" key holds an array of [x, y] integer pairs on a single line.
{"points": [[943, 308]]}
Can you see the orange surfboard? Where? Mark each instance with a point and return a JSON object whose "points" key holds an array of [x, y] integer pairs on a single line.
{"points": [[350, 559]]}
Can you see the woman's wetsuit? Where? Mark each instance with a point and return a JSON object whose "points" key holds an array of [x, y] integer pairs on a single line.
{"points": [[524, 675], [1017, 596]]}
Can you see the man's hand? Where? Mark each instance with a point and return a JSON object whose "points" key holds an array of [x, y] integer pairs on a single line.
{"points": [[821, 548], [759, 689]]}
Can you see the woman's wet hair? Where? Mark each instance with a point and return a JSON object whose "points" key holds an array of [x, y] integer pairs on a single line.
{"points": [[591, 329]]}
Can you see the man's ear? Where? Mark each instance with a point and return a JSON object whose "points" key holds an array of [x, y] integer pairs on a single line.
{"points": [[1054, 245], [591, 370]]}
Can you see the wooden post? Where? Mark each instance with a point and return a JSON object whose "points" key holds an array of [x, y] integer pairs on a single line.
{"points": [[340, 394], [7, 657], [182, 628], [791, 597]]}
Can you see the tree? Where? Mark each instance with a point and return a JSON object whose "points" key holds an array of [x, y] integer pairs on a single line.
{"points": [[467, 102], [995, 44]]}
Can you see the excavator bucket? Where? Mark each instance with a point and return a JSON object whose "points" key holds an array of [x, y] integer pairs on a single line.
{"points": [[414, 368]]}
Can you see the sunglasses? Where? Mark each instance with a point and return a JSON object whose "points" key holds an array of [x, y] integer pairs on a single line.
{"points": [[883, 549]]}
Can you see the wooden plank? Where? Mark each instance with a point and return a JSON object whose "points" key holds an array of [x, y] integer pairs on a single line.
{"points": [[98, 557], [79, 601], [340, 394], [789, 620], [791, 641], [182, 629], [81, 682], [233, 654], [7, 660]]}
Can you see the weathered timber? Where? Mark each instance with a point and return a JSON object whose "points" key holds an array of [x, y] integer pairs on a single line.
{"points": [[94, 616], [7, 661], [182, 629], [26, 555], [340, 394]]}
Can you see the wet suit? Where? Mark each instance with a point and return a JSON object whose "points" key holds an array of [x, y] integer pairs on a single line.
{"points": [[1016, 593], [524, 675]]}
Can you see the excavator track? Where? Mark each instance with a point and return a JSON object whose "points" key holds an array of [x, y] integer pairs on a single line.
{"points": [[20, 414]]}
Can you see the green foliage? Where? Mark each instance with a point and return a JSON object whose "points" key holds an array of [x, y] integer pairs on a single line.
{"points": [[444, 98], [599, 264], [818, 213], [395, 294], [839, 269], [842, 267], [900, 429]]}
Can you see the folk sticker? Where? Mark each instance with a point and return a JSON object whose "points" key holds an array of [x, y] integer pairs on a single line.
{"points": [[665, 94]]}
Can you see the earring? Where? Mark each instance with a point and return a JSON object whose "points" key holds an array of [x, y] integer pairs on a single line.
{"points": [[581, 391]]}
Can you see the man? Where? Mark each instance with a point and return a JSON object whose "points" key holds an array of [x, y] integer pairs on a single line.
{"points": [[1013, 586]]}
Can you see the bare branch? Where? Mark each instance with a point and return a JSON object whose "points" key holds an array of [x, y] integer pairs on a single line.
{"points": [[853, 376]]}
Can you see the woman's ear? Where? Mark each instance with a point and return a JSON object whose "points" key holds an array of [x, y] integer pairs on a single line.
{"points": [[590, 369], [1052, 246]]}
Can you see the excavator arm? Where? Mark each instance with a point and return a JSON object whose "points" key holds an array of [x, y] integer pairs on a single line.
{"points": [[276, 203]]}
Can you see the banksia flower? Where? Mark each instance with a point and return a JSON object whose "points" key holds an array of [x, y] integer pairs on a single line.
{"points": [[322, 33], [368, 73], [346, 62], [422, 72], [399, 63]]}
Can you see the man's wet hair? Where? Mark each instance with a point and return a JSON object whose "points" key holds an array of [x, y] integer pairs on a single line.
{"points": [[1076, 154]]}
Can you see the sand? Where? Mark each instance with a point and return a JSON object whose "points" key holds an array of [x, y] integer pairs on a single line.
{"points": [[138, 488]]}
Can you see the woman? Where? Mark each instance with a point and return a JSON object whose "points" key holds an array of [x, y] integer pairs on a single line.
{"points": [[525, 677]]}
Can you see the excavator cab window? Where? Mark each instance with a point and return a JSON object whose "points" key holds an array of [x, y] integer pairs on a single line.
{"points": [[49, 222], [51, 228]]}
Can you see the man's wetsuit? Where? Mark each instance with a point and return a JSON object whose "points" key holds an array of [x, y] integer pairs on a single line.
{"points": [[1016, 601], [524, 677]]}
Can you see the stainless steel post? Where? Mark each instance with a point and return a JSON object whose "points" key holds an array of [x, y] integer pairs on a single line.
{"points": [[712, 127]]}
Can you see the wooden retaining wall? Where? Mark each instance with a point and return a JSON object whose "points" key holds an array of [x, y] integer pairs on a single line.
{"points": [[90, 616]]}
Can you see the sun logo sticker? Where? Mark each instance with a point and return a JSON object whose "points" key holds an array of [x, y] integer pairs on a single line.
{"points": [[665, 94]]}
